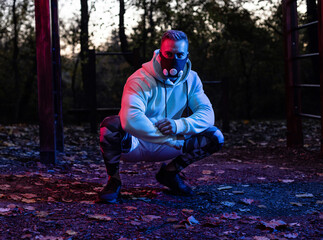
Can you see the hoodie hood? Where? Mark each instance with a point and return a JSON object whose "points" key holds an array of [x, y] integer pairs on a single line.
{"points": [[153, 67]]}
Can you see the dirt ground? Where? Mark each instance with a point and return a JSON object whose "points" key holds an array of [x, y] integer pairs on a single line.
{"points": [[254, 188]]}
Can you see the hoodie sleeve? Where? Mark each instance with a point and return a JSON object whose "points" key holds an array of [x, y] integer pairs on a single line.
{"points": [[133, 119], [203, 114]]}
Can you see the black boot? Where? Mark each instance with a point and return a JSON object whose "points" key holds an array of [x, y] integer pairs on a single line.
{"points": [[111, 192], [172, 180]]}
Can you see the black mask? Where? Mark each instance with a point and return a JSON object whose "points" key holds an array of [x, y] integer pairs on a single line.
{"points": [[172, 67]]}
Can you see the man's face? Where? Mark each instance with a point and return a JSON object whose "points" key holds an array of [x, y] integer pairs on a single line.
{"points": [[174, 49]]}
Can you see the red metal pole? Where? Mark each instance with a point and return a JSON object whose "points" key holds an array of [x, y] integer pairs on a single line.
{"points": [[57, 78], [294, 124], [45, 82], [320, 34]]}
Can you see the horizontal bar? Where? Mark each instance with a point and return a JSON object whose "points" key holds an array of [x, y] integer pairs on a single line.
{"points": [[305, 25], [309, 115], [113, 53], [98, 109], [307, 85], [211, 82], [307, 55]]}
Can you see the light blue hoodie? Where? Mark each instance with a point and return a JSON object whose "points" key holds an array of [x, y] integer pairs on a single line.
{"points": [[148, 97]]}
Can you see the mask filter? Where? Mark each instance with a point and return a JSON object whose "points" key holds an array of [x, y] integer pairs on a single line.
{"points": [[172, 67]]}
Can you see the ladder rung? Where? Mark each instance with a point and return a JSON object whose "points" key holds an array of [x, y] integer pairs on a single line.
{"points": [[305, 25], [309, 115], [307, 55], [307, 85], [113, 53], [211, 82]]}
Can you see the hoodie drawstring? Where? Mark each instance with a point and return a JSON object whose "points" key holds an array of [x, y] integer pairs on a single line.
{"points": [[165, 99], [187, 109]]}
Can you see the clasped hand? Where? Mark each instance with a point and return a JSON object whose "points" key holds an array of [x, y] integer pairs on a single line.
{"points": [[166, 126]]}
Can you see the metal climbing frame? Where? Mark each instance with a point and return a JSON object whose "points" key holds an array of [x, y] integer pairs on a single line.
{"points": [[292, 78]]}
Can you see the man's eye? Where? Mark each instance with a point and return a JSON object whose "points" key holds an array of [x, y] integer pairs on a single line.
{"points": [[169, 54]]}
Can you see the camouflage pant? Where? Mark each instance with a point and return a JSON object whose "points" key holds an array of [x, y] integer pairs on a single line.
{"points": [[114, 142]]}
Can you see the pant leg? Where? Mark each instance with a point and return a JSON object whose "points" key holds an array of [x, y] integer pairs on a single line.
{"points": [[113, 142], [199, 146]]}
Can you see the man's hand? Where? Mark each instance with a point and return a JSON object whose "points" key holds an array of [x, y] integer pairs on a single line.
{"points": [[166, 126]]}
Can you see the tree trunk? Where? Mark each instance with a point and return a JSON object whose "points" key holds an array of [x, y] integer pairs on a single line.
{"points": [[84, 55], [17, 81], [122, 36]]}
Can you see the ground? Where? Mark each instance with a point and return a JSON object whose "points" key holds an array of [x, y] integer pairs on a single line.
{"points": [[254, 188]]}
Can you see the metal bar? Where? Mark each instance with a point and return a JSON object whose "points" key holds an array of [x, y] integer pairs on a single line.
{"points": [[211, 82], [307, 55], [305, 25], [308, 85], [294, 125], [320, 41], [45, 82], [113, 53], [92, 90], [309, 115], [57, 78]]}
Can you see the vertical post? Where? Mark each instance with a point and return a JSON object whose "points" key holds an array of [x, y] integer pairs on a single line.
{"points": [[45, 82], [320, 40], [57, 78], [92, 90], [225, 105], [294, 124]]}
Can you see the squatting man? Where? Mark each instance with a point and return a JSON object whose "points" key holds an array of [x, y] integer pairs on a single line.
{"points": [[152, 124]]}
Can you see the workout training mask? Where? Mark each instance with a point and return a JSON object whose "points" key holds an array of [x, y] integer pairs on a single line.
{"points": [[172, 67]]}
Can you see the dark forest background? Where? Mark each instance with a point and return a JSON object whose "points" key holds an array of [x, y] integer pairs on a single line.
{"points": [[227, 43]]}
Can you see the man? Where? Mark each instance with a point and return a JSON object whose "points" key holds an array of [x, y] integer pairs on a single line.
{"points": [[150, 124]]}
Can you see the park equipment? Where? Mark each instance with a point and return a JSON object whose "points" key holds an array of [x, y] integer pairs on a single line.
{"points": [[293, 83], [49, 77]]}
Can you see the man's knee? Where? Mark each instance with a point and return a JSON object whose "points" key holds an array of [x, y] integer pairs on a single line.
{"points": [[206, 142], [112, 134]]}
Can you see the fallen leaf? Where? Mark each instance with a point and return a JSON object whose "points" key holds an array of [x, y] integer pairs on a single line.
{"points": [[247, 201], [179, 226], [273, 224], [15, 197], [135, 223], [71, 232], [189, 211], [30, 208], [170, 220], [12, 206], [5, 187], [149, 218], [231, 216], [296, 204], [206, 178], [228, 204], [130, 208], [260, 238], [291, 235], [224, 188], [191, 220], [4, 210], [286, 180], [305, 195], [41, 214], [207, 172], [25, 200], [100, 217], [262, 206]]}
